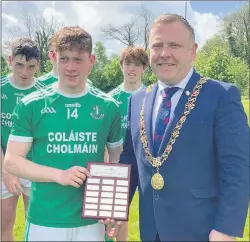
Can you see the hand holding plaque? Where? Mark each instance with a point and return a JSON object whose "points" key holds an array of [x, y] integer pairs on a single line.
{"points": [[106, 192]]}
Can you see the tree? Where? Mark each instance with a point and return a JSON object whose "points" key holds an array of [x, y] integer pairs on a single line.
{"points": [[218, 64], [39, 29], [134, 31], [127, 34], [4, 66], [112, 74], [96, 75], [236, 29]]}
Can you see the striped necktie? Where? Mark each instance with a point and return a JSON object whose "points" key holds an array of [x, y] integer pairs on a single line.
{"points": [[163, 117]]}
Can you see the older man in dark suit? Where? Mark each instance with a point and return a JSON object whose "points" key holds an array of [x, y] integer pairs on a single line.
{"points": [[188, 144]]}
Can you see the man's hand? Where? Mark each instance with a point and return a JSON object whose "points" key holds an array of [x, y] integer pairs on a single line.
{"points": [[12, 183], [218, 236], [110, 223], [74, 176]]}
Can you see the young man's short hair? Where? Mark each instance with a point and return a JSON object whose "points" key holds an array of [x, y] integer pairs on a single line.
{"points": [[133, 54], [73, 38], [25, 47]]}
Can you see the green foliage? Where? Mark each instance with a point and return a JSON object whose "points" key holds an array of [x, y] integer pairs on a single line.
{"points": [[237, 32], [4, 67], [220, 65]]}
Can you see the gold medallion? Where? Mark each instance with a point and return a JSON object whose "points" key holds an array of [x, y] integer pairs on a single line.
{"points": [[157, 181]]}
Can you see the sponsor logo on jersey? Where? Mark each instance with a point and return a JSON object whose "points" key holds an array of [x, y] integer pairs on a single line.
{"points": [[73, 105], [48, 110], [97, 112], [20, 94], [4, 96]]}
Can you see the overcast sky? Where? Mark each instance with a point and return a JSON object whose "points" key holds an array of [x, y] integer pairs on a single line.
{"points": [[204, 16]]}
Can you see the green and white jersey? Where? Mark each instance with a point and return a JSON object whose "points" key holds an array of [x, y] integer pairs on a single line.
{"points": [[50, 78], [66, 131], [122, 96], [10, 97]]}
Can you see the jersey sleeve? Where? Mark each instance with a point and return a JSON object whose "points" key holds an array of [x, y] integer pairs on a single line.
{"points": [[115, 138], [21, 130]]}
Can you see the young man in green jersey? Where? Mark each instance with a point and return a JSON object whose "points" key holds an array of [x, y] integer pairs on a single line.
{"points": [[67, 124], [133, 62], [24, 62]]}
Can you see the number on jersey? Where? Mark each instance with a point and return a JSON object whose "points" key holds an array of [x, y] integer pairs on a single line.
{"points": [[72, 114], [18, 99]]}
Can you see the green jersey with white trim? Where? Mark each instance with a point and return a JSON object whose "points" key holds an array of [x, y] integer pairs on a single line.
{"points": [[122, 96], [10, 96], [48, 78], [66, 131]]}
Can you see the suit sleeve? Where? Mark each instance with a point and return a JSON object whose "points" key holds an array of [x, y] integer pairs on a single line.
{"points": [[128, 155], [232, 147]]}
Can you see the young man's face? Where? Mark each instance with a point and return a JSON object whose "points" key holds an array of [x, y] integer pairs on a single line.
{"points": [[132, 71], [74, 67], [23, 71]]}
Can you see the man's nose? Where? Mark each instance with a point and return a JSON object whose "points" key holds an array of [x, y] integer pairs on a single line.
{"points": [[165, 52], [71, 66], [25, 72]]}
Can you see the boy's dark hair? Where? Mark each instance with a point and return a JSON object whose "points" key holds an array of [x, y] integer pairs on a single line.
{"points": [[25, 47]]}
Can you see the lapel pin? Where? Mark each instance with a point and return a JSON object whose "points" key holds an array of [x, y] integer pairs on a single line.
{"points": [[187, 93]]}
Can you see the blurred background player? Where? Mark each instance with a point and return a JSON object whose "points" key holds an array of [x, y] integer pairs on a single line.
{"points": [[24, 62]]}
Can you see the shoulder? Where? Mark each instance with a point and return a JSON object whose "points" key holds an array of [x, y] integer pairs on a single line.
{"points": [[115, 91], [102, 96], [45, 77], [220, 88], [4, 80], [38, 95], [141, 93]]}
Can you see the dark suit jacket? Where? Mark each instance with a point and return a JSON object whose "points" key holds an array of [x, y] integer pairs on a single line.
{"points": [[207, 173]]}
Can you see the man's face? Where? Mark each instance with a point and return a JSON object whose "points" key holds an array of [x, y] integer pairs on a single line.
{"points": [[171, 51], [23, 71], [132, 71], [74, 67]]}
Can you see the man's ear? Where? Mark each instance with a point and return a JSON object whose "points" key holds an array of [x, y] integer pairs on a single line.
{"points": [[92, 59], [10, 60], [38, 64]]}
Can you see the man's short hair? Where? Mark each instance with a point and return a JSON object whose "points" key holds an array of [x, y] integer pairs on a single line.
{"points": [[169, 18], [73, 38], [25, 47], [132, 54]]}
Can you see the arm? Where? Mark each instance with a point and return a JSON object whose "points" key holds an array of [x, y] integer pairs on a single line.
{"points": [[17, 165], [232, 145], [114, 154], [128, 157], [11, 182]]}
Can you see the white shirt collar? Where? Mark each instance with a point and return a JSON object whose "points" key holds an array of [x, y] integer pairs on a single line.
{"points": [[182, 84]]}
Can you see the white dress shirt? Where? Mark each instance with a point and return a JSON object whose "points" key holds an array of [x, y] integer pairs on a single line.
{"points": [[174, 99]]}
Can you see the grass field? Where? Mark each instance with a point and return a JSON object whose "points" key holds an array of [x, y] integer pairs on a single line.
{"points": [[134, 214]]}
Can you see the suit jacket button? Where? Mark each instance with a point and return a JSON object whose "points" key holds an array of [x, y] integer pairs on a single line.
{"points": [[156, 197]]}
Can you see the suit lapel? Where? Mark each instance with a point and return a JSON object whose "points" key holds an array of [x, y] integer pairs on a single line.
{"points": [[179, 109], [148, 113]]}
